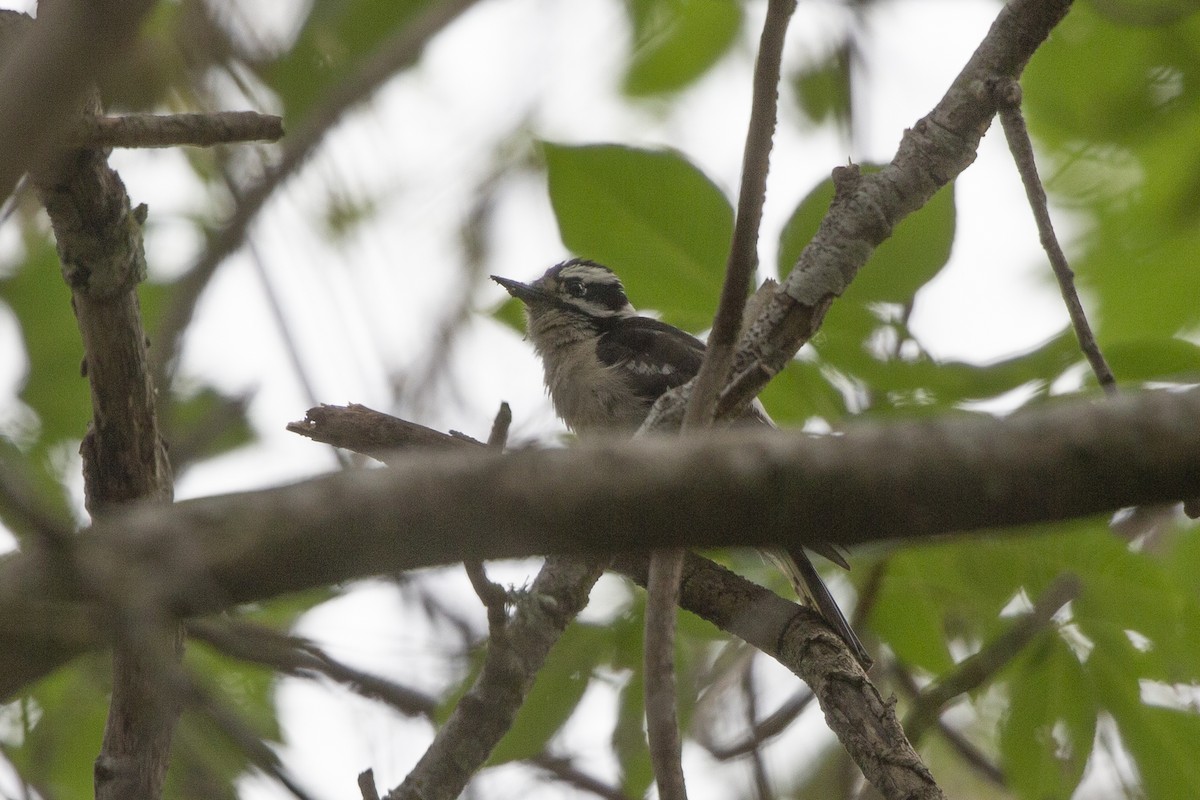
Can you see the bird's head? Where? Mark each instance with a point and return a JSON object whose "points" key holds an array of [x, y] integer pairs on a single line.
{"points": [[578, 288]]}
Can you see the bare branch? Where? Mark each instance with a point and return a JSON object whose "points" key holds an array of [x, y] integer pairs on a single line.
{"points": [[898, 481], [980, 667], [175, 130], [498, 437], [568, 773], [292, 655], [491, 594], [796, 636], [372, 433], [773, 725], [662, 724], [46, 68], [762, 781], [1007, 97], [743, 251], [969, 753], [99, 241], [487, 711], [866, 208], [366, 785]]}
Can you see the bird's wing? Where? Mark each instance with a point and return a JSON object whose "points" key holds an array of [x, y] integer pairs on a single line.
{"points": [[654, 355]]}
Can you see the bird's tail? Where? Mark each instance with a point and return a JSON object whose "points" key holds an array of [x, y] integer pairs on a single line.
{"points": [[809, 586]]}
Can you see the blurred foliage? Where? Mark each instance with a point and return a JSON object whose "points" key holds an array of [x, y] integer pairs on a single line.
{"points": [[1114, 104], [823, 90], [676, 41]]}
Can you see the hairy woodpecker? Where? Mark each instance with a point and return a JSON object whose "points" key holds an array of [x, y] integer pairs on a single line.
{"points": [[605, 366]]}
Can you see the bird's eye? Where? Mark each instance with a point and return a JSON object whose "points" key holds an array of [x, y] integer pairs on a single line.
{"points": [[575, 287]]}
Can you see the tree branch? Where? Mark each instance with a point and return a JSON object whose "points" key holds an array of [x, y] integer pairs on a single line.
{"points": [[292, 655], [46, 68], [743, 250], [99, 243], [174, 130], [978, 668], [875, 482], [1007, 96], [486, 712], [798, 639], [658, 643], [866, 208]]}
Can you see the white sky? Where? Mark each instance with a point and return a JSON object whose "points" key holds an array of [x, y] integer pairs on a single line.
{"points": [[418, 151]]}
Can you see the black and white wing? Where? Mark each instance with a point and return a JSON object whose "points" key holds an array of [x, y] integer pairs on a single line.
{"points": [[653, 355]]}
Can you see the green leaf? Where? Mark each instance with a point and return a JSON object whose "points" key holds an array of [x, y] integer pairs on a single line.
{"points": [[823, 90], [66, 712], [54, 387], [909, 610], [511, 313], [924, 384], [245, 686], [800, 392], [957, 590], [1125, 592], [337, 36], [651, 216], [1048, 733], [677, 41], [1166, 359], [629, 738], [204, 424], [914, 254], [1164, 742], [1120, 156]]}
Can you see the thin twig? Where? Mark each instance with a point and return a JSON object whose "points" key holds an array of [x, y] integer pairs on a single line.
{"points": [[567, 772], [743, 251], [976, 670], [866, 208], [662, 724], [488, 709], [400, 51], [666, 565], [176, 130], [293, 655], [498, 437], [366, 785], [774, 724], [494, 597], [969, 753], [1007, 96], [47, 65], [762, 782]]}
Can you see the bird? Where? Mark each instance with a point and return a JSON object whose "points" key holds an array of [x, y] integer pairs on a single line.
{"points": [[605, 365]]}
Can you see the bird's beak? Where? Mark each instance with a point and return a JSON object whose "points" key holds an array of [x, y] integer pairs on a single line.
{"points": [[522, 291]]}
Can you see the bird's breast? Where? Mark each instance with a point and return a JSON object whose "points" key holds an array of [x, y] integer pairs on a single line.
{"points": [[587, 394]]}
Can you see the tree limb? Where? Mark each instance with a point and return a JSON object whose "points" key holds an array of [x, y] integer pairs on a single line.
{"points": [[486, 712], [866, 208], [46, 68], [175, 130], [99, 243], [875, 482]]}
